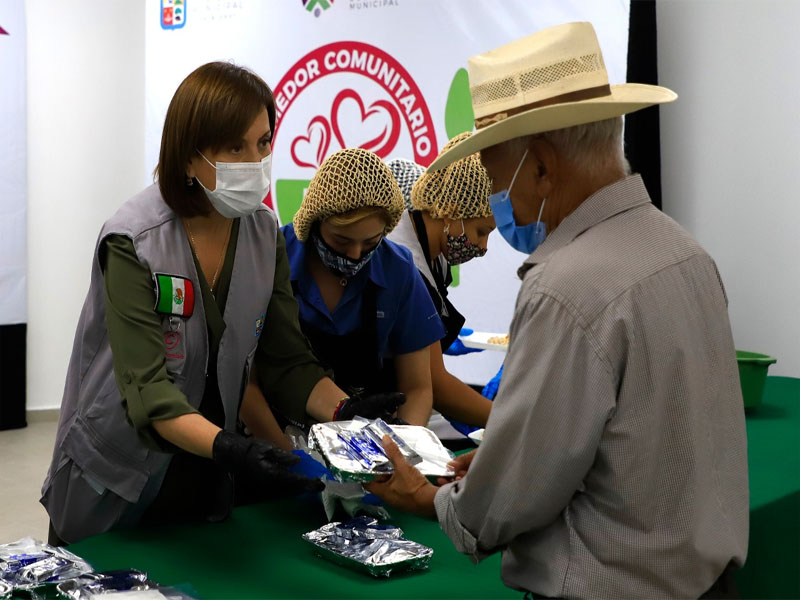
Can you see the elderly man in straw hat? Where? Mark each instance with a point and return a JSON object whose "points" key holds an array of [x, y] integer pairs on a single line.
{"points": [[614, 460]]}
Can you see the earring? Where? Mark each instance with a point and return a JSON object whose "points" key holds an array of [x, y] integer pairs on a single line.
{"points": [[189, 181]]}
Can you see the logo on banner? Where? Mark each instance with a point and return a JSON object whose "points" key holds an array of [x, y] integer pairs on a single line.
{"points": [[362, 97], [366, 4], [173, 14], [3, 31], [317, 6]]}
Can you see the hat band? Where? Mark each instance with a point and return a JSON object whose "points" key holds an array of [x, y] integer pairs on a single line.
{"points": [[577, 96]]}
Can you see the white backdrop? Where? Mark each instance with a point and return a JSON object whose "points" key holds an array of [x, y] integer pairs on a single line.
{"points": [[382, 74], [78, 112], [13, 179]]}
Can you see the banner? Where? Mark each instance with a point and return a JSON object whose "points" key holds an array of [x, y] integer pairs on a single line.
{"points": [[386, 75], [13, 175]]}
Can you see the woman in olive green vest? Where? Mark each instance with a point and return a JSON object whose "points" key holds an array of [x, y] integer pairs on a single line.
{"points": [[189, 305]]}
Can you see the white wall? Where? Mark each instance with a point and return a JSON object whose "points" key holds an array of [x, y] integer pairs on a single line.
{"points": [[730, 156], [85, 157]]}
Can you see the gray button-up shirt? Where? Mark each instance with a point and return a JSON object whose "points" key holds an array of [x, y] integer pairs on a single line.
{"points": [[614, 460]]}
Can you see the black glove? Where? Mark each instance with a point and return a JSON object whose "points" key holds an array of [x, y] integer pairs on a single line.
{"points": [[375, 406], [262, 462]]}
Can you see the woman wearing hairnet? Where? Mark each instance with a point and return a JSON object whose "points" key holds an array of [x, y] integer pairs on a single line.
{"points": [[447, 222], [363, 305], [188, 323]]}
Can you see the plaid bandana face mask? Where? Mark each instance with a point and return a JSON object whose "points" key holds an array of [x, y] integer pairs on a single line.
{"points": [[339, 263], [459, 248]]}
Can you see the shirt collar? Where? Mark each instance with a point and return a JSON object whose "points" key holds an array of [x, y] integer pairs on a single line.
{"points": [[605, 203], [297, 263]]}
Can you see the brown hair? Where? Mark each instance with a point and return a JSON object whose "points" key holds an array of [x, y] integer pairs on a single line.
{"points": [[359, 214], [213, 106]]}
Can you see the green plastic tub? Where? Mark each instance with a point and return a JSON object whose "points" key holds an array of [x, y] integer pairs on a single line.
{"points": [[753, 375]]}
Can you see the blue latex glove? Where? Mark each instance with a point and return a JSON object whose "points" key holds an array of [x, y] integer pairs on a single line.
{"points": [[460, 427], [490, 389], [372, 500], [309, 467], [457, 348]]}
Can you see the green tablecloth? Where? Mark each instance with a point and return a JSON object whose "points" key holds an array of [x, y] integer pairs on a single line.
{"points": [[258, 551], [773, 447]]}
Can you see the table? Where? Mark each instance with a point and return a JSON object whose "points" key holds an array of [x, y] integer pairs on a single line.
{"points": [[260, 548], [773, 438], [258, 553]]}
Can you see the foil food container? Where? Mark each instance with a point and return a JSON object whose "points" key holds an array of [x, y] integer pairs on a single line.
{"points": [[364, 545], [88, 586], [28, 563], [352, 450]]}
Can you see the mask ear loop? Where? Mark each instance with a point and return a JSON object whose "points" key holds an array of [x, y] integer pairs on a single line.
{"points": [[519, 166], [540, 212], [205, 159], [463, 228]]}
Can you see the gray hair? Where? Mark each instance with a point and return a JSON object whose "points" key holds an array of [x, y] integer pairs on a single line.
{"points": [[592, 147]]}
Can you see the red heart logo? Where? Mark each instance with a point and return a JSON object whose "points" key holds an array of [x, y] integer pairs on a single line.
{"points": [[310, 150], [376, 129]]}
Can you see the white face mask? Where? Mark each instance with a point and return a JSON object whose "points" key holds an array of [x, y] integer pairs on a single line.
{"points": [[241, 187]]}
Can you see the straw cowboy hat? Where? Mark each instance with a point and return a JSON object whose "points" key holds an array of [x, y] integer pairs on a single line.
{"points": [[552, 79]]}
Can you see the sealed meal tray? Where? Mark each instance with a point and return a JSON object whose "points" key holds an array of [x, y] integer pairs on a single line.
{"points": [[28, 563], [365, 545], [353, 450]]}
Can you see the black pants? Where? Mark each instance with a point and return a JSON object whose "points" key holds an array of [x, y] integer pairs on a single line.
{"points": [[53, 539]]}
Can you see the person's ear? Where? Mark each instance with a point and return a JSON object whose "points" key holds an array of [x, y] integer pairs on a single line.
{"points": [[546, 170], [190, 173]]}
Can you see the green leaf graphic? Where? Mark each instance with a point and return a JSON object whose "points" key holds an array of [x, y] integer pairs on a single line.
{"points": [[455, 275], [458, 115], [289, 194]]}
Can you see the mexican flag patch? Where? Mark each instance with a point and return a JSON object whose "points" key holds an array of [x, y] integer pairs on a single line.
{"points": [[174, 295]]}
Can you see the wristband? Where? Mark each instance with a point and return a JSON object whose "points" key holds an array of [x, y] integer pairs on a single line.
{"points": [[338, 408]]}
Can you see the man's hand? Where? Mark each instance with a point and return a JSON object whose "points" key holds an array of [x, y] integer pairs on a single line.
{"points": [[375, 406], [407, 488], [263, 463], [459, 465]]}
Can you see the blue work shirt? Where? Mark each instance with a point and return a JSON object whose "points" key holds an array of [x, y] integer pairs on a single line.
{"points": [[406, 317]]}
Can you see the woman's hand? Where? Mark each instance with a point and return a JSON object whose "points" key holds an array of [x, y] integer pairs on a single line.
{"points": [[374, 406], [266, 465]]}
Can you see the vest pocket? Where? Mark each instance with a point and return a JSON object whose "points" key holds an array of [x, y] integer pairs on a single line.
{"points": [[110, 426], [76, 508], [118, 466]]}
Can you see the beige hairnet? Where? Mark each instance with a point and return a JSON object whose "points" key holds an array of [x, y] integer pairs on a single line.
{"points": [[459, 191], [348, 179]]}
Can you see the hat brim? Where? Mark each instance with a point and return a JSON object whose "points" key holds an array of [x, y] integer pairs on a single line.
{"points": [[624, 98]]}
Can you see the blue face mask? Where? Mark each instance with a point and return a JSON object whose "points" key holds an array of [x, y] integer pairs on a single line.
{"points": [[523, 238]]}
